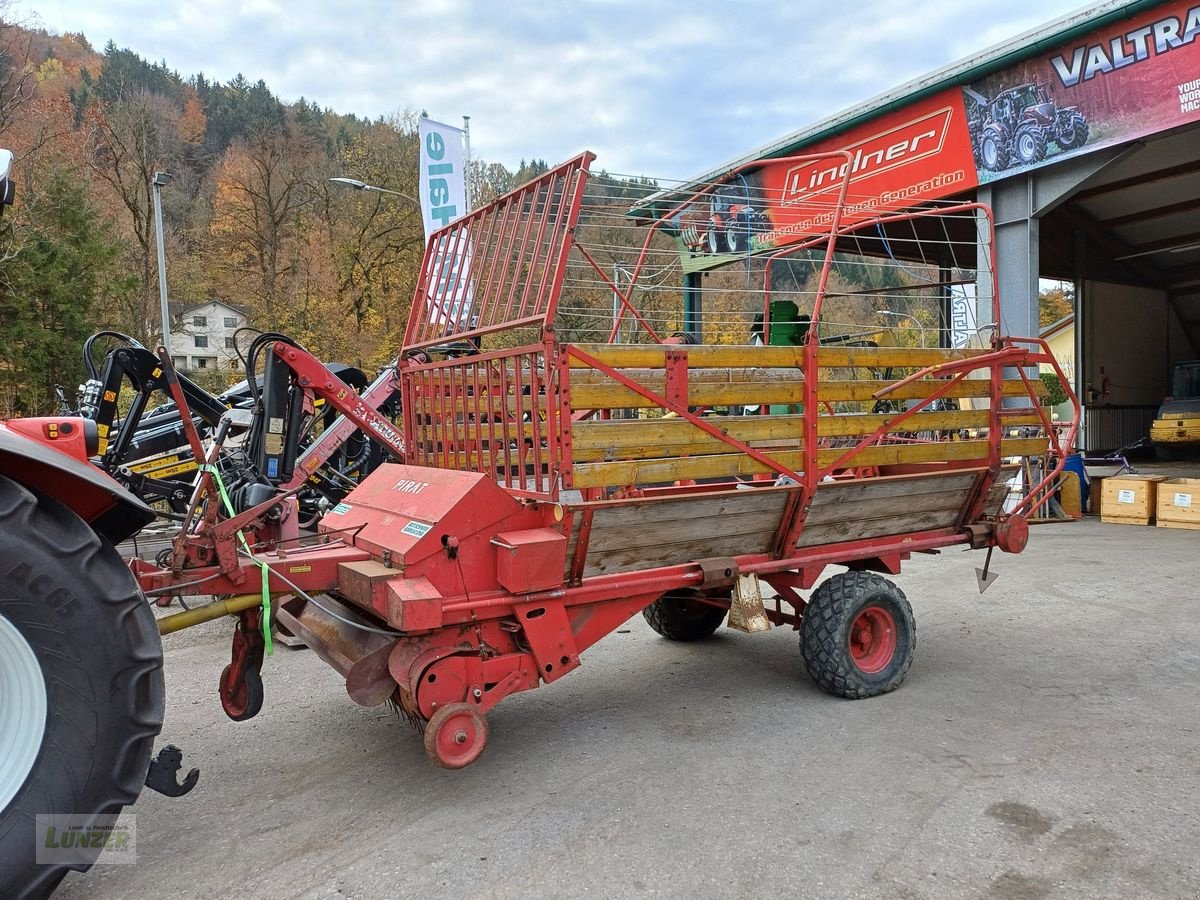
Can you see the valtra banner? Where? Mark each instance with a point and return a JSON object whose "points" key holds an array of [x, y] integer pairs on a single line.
{"points": [[1116, 84]]}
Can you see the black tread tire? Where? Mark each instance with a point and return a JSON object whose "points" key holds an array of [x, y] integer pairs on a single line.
{"points": [[677, 617], [1037, 149], [825, 634], [1001, 157], [712, 240], [95, 637], [1078, 136]]}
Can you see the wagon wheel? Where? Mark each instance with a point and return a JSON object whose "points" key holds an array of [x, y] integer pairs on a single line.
{"points": [[456, 735], [682, 616], [858, 635]]}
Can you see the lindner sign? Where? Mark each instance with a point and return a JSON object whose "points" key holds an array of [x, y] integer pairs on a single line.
{"points": [[1116, 84]]}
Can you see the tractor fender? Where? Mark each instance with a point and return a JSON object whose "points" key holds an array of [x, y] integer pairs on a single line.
{"points": [[103, 503]]}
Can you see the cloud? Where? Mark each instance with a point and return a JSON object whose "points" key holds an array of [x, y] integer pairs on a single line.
{"points": [[665, 90]]}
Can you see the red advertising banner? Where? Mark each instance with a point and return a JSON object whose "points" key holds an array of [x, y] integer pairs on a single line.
{"points": [[1120, 83], [908, 155]]}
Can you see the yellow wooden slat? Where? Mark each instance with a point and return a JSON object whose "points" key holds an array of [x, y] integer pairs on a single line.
{"points": [[617, 434], [624, 472], [614, 396], [654, 356], [594, 443]]}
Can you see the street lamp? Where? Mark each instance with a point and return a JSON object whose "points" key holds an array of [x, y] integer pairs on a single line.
{"points": [[157, 182], [902, 315], [363, 186]]}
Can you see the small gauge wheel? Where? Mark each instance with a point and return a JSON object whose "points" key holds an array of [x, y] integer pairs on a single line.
{"points": [[456, 735], [243, 700]]}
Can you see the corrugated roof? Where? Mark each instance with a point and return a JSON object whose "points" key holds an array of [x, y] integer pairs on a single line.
{"points": [[1023, 46]]}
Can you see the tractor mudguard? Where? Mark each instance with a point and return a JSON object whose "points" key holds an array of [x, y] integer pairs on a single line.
{"points": [[105, 505]]}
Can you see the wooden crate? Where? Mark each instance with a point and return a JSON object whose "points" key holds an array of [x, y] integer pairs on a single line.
{"points": [[1129, 499], [1178, 504]]}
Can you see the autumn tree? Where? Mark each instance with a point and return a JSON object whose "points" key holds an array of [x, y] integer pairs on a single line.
{"points": [[65, 266]]}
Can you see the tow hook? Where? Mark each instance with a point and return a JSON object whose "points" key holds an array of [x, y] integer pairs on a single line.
{"points": [[164, 772]]}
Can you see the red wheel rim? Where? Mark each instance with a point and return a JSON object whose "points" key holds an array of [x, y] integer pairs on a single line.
{"points": [[459, 738], [873, 639]]}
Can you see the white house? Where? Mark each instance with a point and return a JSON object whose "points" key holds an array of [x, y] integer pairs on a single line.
{"points": [[202, 337]]}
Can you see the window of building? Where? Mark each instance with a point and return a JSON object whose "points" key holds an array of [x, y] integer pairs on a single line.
{"points": [[231, 321], [200, 322], [202, 340], [201, 362], [230, 344]]}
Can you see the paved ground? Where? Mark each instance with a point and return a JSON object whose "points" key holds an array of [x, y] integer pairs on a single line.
{"points": [[1045, 744]]}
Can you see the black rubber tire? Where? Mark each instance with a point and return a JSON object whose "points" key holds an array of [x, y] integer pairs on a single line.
{"points": [[712, 240], [825, 634], [735, 233], [249, 698], [678, 616], [1029, 144], [1076, 137], [78, 607], [999, 153]]}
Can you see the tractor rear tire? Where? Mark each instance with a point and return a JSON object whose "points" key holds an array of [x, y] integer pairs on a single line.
{"points": [[1075, 136], [81, 683], [682, 616], [857, 635]]}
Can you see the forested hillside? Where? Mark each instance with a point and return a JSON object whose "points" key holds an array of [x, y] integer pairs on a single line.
{"points": [[250, 217]]}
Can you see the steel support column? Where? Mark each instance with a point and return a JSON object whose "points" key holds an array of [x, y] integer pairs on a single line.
{"points": [[693, 306]]}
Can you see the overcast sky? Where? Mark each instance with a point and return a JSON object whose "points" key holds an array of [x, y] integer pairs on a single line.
{"points": [[664, 89]]}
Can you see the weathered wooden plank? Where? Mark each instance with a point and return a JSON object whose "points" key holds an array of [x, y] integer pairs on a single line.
{"points": [[999, 490], [857, 530], [654, 356], [886, 507], [894, 486], [657, 471], [668, 554], [607, 538], [673, 511]]}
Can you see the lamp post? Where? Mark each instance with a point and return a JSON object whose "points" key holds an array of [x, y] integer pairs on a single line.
{"points": [[363, 186], [902, 315], [156, 183]]}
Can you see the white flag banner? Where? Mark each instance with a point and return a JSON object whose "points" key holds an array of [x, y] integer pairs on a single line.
{"points": [[443, 199], [443, 175]]}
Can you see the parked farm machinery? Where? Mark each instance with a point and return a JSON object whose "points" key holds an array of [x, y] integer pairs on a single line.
{"points": [[542, 492]]}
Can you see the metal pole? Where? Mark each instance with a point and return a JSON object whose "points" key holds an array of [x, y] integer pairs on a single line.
{"points": [[616, 301], [693, 306], [156, 186], [467, 149]]}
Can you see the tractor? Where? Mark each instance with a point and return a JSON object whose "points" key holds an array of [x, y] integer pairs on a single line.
{"points": [[732, 221], [1018, 125]]}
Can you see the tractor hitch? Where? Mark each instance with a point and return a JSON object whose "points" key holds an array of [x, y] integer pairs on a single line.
{"points": [[163, 775]]}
